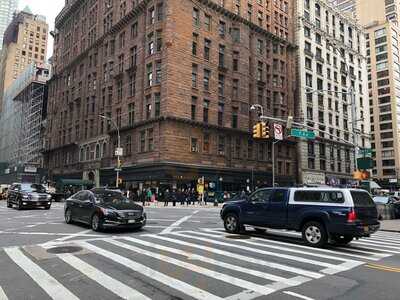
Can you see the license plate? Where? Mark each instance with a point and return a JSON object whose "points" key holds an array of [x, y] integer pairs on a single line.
{"points": [[131, 221], [366, 229]]}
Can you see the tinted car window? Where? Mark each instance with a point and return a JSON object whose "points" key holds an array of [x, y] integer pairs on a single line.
{"points": [[111, 198], [319, 196], [37, 188], [381, 199], [279, 196], [261, 196], [362, 199]]}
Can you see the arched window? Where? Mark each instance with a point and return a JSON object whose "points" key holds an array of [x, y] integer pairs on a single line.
{"points": [[87, 153], [97, 151], [81, 155], [104, 151]]}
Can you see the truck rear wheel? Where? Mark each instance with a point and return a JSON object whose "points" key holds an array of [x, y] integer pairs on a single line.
{"points": [[314, 234]]}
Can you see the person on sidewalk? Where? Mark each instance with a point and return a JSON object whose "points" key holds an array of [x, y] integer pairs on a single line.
{"points": [[166, 197], [174, 197], [149, 195]]}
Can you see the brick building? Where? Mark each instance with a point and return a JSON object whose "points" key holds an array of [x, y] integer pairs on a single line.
{"points": [[178, 78]]}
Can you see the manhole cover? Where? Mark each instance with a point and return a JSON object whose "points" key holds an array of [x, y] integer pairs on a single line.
{"points": [[238, 237], [64, 249]]}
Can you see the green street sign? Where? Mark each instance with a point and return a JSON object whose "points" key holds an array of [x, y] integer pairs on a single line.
{"points": [[365, 152], [303, 134], [364, 163]]}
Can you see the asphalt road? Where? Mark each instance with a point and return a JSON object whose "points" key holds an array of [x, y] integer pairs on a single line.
{"points": [[183, 253]]}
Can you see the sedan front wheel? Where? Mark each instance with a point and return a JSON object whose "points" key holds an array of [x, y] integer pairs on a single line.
{"points": [[231, 223], [97, 224]]}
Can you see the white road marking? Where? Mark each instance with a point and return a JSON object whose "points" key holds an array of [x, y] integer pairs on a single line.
{"points": [[379, 255], [49, 233], [68, 237], [286, 249], [382, 248], [209, 260], [257, 262], [297, 295], [153, 274], [169, 220], [115, 286], [177, 223], [329, 268], [48, 283], [382, 242], [198, 269], [3, 295]]}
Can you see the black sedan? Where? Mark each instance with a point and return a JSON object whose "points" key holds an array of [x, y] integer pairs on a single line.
{"points": [[104, 209], [25, 195]]}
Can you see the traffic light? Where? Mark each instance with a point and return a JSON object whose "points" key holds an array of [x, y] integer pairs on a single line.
{"points": [[119, 163], [264, 130], [257, 131]]}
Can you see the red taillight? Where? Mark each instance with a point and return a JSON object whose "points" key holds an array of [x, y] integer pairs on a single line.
{"points": [[351, 216]]}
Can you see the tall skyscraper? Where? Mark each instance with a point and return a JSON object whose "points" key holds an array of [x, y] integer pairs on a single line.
{"points": [[332, 92], [7, 9], [380, 19], [25, 42]]}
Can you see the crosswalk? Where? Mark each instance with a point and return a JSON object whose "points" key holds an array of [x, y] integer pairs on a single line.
{"points": [[203, 264]]}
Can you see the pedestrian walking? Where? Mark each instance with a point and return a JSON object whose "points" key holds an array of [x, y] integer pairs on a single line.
{"points": [[142, 197], [174, 197], [149, 195], [166, 197]]}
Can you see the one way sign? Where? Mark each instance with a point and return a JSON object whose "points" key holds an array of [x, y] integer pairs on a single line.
{"points": [[278, 131]]}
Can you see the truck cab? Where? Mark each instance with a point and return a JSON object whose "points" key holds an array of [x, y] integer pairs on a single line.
{"points": [[321, 214]]}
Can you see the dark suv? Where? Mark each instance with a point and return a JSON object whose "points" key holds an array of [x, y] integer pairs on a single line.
{"points": [[25, 195], [321, 214]]}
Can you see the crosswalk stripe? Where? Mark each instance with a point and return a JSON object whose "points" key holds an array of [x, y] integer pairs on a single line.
{"points": [[243, 257], [3, 295], [198, 269], [382, 242], [329, 268], [153, 274], [209, 260], [115, 286], [376, 247], [389, 239], [379, 255], [48, 283], [286, 249]]}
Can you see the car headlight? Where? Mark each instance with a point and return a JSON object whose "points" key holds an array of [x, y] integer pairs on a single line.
{"points": [[48, 197], [25, 197], [107, 212]]}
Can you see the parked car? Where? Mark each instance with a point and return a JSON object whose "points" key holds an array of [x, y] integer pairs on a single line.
{"points": [[321, 214], [28, 195], [103, 208]]}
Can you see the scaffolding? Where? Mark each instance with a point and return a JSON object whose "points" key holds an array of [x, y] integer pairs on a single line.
{"points": [[21, 119]]}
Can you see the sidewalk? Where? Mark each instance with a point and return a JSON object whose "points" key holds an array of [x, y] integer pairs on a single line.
{"points": [[179, 206], [390, 225]]}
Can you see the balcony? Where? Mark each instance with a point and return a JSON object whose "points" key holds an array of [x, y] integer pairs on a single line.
{"points": [[319, 58], [308, 52]]}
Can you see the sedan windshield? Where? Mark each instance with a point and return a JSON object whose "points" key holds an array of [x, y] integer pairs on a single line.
{"points": [[115, 198], [36, 188]]}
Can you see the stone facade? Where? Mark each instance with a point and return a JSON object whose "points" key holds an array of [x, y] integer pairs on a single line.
{"points": [[178, 78]]}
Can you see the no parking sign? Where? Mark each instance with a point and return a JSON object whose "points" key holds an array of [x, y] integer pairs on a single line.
{"points": [[278, 131]]}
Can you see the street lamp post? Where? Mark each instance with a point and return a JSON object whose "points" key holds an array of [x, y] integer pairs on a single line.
{"points": [[118, 146]]}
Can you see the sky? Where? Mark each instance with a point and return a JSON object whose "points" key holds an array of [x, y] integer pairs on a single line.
{"points": [[47, 8]]}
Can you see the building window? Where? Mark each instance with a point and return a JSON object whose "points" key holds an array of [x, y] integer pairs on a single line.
{"points": [[259, 71], [150, 139], [194, 75], [206, 79], [207, 47], [131, 113], [194, 44], [221, 145], [194, 145], [158, 72], [148, 107], [143, 141], [150, 44], [149, 75], [221, 56], [193, 108], [128, 145], [206, 143], [235, 61], [221, 85], [234, 117], [220, 114], [157, 104], [196, 17], [119, 90], [235, 88], [132, 84], [206, 105], [207, 22], [151, 15], [222, 28]]}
